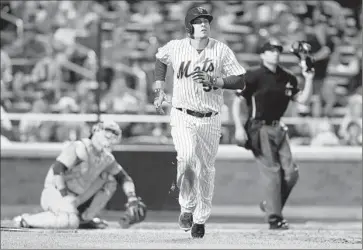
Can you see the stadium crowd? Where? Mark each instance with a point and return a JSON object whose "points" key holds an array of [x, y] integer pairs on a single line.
{"points": [[50, 65]]}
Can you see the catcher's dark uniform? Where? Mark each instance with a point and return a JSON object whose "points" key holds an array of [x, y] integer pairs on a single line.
{"points": [[268, 95]]}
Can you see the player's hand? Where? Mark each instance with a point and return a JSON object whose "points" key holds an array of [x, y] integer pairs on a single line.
{"points": [[307, 74], [203, 78], [241, 136], [160, 97]]}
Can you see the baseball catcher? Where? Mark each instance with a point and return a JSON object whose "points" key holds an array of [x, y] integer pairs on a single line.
{"points": [[81, 181]]}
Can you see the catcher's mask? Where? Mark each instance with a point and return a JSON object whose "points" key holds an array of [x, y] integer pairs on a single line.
{"points": [[105, 134], [194, 13]]}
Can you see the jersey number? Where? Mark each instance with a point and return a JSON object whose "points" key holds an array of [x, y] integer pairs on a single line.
{"points": [[208, 88]]}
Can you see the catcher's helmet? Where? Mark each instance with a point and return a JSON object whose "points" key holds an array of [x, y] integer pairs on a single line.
{"points": [[194, 13]]}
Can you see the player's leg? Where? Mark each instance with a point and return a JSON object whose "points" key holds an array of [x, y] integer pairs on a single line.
{"points": [[209, 134], [100, 193], [59, 212], [290, 171], [184, 138]]}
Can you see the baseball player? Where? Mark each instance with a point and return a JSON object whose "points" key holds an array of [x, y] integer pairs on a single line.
{"points": [[203, 67], [267, 93], [81, 181]]}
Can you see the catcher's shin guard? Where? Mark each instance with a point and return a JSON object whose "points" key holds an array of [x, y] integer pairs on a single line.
{"points": [[100, 199]]}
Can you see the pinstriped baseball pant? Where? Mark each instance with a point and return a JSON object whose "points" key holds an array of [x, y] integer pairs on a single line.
{"points": [[196, 141]]}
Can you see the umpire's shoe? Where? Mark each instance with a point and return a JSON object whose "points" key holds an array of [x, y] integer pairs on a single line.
{"points": [[198, 230], [278, 223], [186, 221]]}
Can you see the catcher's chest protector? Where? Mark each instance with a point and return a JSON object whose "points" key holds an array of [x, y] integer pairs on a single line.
{"points": [[80, 177]]}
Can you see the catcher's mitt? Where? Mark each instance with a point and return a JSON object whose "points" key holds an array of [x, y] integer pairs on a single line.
{"points": [[135, 212]]}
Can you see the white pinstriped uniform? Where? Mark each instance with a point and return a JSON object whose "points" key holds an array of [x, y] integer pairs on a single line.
{"points": [[196, 139]]}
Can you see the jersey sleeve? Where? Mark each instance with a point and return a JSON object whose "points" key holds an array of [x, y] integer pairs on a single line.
{"points": [[72, 154], [165, 52], [250, 86], [230, 65]]}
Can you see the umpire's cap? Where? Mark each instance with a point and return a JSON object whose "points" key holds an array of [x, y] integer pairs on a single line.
{"points": [[194, 13], [271, 45]]}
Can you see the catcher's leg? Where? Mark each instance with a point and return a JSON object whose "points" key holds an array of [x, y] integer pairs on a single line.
{"points": [[184, 138], [59, 212], [104, 188], [290, 171], [209, 134]]}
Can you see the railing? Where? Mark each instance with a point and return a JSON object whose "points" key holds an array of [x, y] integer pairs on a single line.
{"points": [[125, 118], [16, 21]]}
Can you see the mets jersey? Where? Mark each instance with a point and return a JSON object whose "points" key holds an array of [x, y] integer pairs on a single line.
{"points": [[217, 59]]}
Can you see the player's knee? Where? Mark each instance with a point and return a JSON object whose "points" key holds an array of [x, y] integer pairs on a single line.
{"points": [[110, 186]]}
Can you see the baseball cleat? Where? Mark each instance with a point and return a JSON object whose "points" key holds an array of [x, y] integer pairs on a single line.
{"points": [[95, 223], [198, 230], [20, 222], [278, 223], [186, 221]]}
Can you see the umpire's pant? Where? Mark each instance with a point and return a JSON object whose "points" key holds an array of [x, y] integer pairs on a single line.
{"points": [[278, 170]]}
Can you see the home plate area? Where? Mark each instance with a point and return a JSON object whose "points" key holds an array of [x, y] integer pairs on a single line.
{"points": [[167, 235]]}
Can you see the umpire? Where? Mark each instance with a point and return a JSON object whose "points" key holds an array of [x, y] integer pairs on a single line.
{"points": [[264, 100]]}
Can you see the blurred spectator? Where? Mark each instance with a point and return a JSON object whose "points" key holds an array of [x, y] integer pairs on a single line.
{"points": [[300, 134], [6, 78], [336, 92], [353, 118], [34, 130], [146, 13], [322, 47], [47, 73], [6, 126], [69, 130], [85, 97], [6, 67], [325, 135], [121, 99], [353, 134]]}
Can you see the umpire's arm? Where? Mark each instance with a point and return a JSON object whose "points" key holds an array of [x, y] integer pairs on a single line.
{"points": [[305, 94], [240, 113]]}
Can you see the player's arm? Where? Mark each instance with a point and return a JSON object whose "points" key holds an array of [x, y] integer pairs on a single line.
{"points": [[124, 180], [303, 96], [69, 157], [163, 58], [231, 69]]}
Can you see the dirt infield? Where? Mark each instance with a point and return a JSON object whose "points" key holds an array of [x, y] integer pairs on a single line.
{"points": [[167, 236]]}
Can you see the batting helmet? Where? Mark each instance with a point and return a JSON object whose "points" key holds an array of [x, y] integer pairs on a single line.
{"points": [[194, 13]]}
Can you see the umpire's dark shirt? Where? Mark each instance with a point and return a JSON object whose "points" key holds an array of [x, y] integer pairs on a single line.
{"points": [[268, 93]]}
